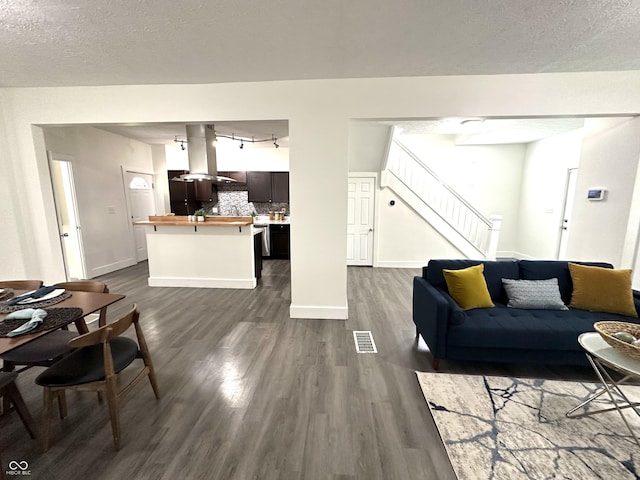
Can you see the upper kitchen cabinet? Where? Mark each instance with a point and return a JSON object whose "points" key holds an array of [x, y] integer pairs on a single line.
{"points": [[205, 191], [268, 186], [239, 177], [182, 195]]}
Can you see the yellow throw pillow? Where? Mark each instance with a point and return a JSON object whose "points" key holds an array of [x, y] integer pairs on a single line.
{"points": [[602, 290], [468, 287]]}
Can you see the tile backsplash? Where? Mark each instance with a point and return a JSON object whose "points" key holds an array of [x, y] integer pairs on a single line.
{"points": [[230, 196]]}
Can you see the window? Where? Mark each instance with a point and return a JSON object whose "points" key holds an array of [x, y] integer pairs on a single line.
{"points": [[139, 183]]}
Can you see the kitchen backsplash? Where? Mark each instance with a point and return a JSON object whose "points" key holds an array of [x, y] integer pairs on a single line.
{"points": [[230, 196]]}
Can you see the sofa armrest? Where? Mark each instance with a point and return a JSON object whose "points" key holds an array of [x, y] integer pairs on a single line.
{"points": [[431, 314], [636, 301]]}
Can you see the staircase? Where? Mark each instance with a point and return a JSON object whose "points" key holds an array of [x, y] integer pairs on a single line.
{"points": [[475, 235]]}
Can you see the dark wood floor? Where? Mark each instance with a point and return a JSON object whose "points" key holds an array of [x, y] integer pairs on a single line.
{"points": [[248, 392]]}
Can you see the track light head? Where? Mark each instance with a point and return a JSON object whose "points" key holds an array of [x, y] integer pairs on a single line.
{"points": [[241, 145], [275, 143]]}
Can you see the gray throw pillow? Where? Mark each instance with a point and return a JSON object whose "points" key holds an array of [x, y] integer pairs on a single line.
{"points": [[542, 294]]}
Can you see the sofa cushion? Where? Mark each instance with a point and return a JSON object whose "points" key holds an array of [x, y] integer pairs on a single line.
{"points": [[542, 294], [468, 287], [602, 290], [502, 327], [544, 269], [494, 272]]}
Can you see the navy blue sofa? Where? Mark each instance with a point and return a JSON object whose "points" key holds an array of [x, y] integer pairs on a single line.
{"points": [[501, 333]]}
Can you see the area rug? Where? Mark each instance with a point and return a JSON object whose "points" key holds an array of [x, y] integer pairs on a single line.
{"points": [[511, 428]]}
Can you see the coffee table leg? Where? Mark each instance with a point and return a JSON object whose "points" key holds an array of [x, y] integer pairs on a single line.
{"points": [[601, 372]]}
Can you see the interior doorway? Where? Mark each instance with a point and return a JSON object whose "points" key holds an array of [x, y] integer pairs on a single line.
{"points": [[572, 175], [140, 203], [361, 196], [64, 194]]}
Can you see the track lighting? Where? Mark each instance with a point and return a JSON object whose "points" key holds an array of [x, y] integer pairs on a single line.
{"points": [[216, 135], [181, 142]]}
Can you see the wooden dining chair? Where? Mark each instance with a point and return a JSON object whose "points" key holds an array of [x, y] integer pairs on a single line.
{"points": [[9, 391], [88, 286], [21, 284], [45, 350], [100, 356]]}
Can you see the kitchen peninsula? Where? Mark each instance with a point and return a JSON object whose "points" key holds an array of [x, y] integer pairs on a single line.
{"points": [[217, 253]]}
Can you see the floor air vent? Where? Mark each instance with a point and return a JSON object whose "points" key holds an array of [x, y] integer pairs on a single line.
{"points": [[364, 342]]}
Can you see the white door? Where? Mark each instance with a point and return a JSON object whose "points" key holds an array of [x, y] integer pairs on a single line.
{"points": [[360, 221], [64, 196], [572, 176], [141, 204]]}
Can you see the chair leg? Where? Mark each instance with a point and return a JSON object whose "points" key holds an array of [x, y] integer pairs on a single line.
{"points": [[6, 402], [62, 403], [154, 381], [114, 411], [47, 400], [14, 395]]}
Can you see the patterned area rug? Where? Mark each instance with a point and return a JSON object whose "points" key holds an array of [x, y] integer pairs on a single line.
{"points": [[510, 428]]}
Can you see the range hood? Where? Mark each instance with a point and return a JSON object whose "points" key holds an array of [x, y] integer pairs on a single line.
{"points": [[202, 155]]}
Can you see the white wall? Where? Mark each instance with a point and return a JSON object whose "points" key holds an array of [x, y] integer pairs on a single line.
{"points": [[161, 179], [403, 238], [544, 180], [367, 146], [98, 158], [318, 111], [609, 159]]}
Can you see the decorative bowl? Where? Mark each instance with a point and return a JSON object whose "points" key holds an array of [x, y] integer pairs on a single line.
{"points": [[606, 329]]}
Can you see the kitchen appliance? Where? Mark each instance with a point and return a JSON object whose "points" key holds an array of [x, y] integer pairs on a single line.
{"points": [[259, 222]]}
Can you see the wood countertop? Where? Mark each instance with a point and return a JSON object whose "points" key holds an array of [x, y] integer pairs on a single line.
{"points": [[183, 221]]}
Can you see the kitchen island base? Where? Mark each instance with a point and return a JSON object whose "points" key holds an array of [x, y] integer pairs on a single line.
{"points": [[201, 255]]}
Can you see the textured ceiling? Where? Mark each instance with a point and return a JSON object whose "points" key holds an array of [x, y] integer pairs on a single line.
{"points": [[491, 131], [111, 42]]}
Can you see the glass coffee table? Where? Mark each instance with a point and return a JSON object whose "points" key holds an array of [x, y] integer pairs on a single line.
{"points": [[603, 356]]}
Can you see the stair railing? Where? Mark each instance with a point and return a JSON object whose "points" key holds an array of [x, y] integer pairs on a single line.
{"points": [[481, 232]]}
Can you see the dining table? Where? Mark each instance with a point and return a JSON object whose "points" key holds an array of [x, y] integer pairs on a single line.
{"points": [[85, 303]]}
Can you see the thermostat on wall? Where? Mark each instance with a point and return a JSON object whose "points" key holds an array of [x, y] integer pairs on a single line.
{"points": [[596, 193]]}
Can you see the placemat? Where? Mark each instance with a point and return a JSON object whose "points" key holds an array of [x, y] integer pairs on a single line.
{"points": [[6, 294], [4, 308], [56, 318]]}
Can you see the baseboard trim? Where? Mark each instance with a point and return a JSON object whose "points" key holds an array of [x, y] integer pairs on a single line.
{"points": [[246, 284], [401, 264], [319, 313], [516, 255], [112, 267]]}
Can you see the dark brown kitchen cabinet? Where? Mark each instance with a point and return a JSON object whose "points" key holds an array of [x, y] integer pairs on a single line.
{"points": [[268, 187], [205, 191], [279, 240], [182, 195], [280, 187], [239, 177]]}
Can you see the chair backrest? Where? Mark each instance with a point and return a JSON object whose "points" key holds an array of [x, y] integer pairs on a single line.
{"points": [[21, 284], [88, 286], [84, 286], [108, 332]]}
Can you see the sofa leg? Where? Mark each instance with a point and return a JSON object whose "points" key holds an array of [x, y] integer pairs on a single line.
{"points": [[436, 363]]}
